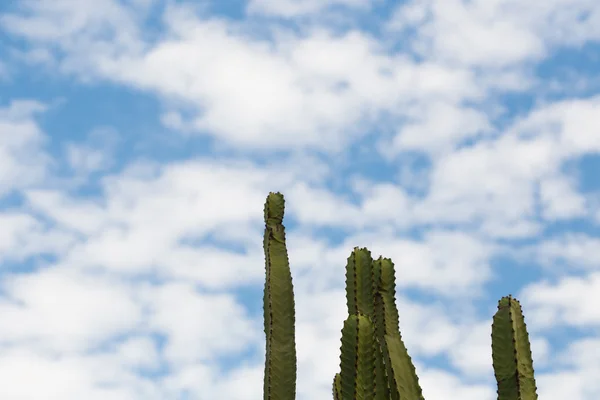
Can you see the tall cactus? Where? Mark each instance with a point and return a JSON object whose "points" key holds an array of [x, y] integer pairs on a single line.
{"points": [[511, 353], [374, 363], [279, 314]]}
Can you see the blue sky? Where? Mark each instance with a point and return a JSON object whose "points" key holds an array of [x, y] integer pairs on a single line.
{"points": [[140, 138]]}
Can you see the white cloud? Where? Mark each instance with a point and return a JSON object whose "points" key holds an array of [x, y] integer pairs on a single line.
{"points": [[75, 215], [248, 95], [571, 301], [440, 126], [151, 219], [22, 160], [23, 236], [560, 199], [445, 261], [90, 377], [61, 311], [495, 34], [437, 384], [581, 353], [570, 123], [574, 250], [143, 234], [479, 182], [139, 352], [199, 326], [472, 353], [442, 262], [474, 34], [318, 90], [577, 377], [495, 180], [15, 226], [295, 8], [67, 19]]}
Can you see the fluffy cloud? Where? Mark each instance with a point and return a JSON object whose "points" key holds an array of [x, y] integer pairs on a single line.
{"points": [[131, 244]]}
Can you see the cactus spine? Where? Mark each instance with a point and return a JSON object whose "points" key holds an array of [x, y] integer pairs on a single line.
{"points": [[374, 363], [279, 314], [511, 353]]}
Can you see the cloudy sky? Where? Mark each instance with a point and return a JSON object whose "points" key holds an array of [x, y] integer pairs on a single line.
{"points": [[140, 138]]}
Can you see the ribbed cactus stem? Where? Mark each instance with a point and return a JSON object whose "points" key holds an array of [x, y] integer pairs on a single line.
{"points": [[401, 372], [358, 361], [359, 283], [511, 353], [370, 294], [279, 314], [382, 325], [337, 387]]}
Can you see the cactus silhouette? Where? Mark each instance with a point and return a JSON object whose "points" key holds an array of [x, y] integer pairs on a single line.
{"points": [[374, 363]]}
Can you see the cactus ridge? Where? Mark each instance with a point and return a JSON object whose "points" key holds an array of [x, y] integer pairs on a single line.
{"points": [[374, 362]]}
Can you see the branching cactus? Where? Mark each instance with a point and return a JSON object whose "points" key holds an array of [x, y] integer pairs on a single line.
{"points": [[374, 363]]}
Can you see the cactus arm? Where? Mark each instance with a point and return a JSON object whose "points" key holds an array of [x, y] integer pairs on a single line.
{"points": [[359, 282], [361, 286], [382, 386], [404, 373], [358, 359], [391, 391], [401, 372], [337, 387], [387, 289], [370, 293], [279, 314], [511, 353]]}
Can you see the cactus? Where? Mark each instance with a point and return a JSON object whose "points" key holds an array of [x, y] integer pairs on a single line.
{"points": [[374, 363], [370, 291], [511, 353], [278, 303]]}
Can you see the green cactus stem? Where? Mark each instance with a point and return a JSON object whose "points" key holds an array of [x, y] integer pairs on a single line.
{"points": [[358, 352], [279, 314], [511, 353], [370, 292], [401, 372], [337, 387]]}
